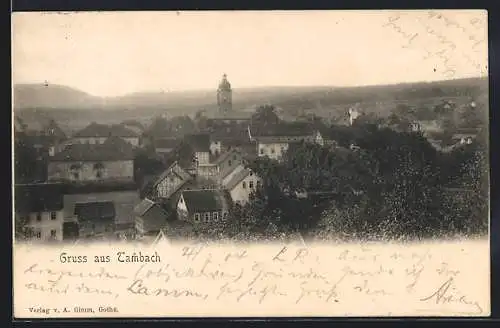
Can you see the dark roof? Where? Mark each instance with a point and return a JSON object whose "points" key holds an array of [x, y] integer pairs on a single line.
{"points": [[226, 155], [87, 187], [203, 200], [95, 211], [229, 133], [151, 210], [113, 149], [103, 130], [328, 133], [467, 131], [198, 142], [143, 206], [233, 115], [282, 129], [169, 143], [43, 197]]}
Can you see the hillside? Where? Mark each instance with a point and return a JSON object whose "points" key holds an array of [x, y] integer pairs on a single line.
{"points": [[74, 108]]}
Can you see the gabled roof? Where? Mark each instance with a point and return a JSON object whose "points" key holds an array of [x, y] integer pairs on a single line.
{"points": [[198, 142], [151, 210], [143, 206], [177, 170], [237, 178], [95, 211], [204, 200], [168, 143], [103, 130], [281, 129], [43, 197], [226, 155], [113, 149]]}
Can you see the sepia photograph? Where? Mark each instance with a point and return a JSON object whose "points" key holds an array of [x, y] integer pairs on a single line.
{"points": [[250, 163]]}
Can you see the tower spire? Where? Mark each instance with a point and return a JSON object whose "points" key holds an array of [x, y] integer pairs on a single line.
{"points": [[224, 95]]}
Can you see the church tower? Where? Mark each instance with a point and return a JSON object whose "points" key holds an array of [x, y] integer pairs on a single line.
{"points": [[224, 96]]}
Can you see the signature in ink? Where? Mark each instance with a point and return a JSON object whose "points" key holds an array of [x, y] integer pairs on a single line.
{"points": [[447, 293]]}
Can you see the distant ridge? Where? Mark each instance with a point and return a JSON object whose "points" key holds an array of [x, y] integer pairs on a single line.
{"points": [[53, 96]]}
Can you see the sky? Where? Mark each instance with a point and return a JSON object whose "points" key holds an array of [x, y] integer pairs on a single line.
{"points": [[114, 53]]}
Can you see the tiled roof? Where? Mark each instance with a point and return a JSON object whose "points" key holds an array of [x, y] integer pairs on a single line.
{"points": [[43, 197], [242, 174], [113, 149], [228, 134], [199, 142], [143, 206], [95, 211], [151, 210], [204, 200], [282, 129], [103, 130], [169, 143], [226, 155]]}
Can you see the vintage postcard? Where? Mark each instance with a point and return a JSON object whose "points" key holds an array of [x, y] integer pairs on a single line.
{"points": [[250, 164]]}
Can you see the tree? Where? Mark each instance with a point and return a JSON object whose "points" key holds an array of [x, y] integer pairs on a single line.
{"points": [[265, 115], [25, 157]]}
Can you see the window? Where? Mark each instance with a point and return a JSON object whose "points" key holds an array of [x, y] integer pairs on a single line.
{"points": [[76, 175], [39, 216], [197, 217], [272, 151], [230, 162], [244, 185], [262, 151], [53, 215], [258, 183], [234, 157], [215, 216], [251, 173], [38, 234], [206, 217], [53, 234], [250, 184]]}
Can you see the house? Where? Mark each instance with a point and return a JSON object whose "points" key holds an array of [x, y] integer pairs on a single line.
{"points": [[465, 136], [39, 209], [112, 160], [200, 144], [101, 209], [228, 162], [98, 133], [202, 206], [426, 127], [150, 217], [170, 181], [325, 137], [164, 146], [224, 138], [463, 139], [353, 114], [240, 183], [273, 140]]}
